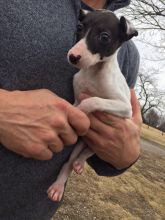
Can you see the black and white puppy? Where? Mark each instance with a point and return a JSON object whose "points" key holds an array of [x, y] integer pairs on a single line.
{"points": [[100, 34]]}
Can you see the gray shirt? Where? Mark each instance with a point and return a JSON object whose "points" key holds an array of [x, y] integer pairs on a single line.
{"points": [[34, 39]]}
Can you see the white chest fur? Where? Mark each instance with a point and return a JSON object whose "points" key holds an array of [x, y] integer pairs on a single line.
{"points": [[105, 81]]}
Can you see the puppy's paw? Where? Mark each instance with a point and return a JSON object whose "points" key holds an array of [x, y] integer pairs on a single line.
{"points": [[56, 191], [78, 167], [85, 106]]}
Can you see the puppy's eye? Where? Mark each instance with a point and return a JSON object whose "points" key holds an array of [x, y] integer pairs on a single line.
{"points": [[80, 27], [104, 38]]}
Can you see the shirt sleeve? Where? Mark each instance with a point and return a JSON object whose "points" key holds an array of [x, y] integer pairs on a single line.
{"points": [[128, 58], [103, 168]]}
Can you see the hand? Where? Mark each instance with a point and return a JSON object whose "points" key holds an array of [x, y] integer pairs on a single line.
{"points": [[116, 140], [37, 123]]}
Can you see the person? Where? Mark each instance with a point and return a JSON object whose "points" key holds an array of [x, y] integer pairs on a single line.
{"points": [[39, 126]]}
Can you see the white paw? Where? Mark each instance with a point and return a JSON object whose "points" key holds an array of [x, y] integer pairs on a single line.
{"points": [[78, 167], [85, 106], [56, 191]]}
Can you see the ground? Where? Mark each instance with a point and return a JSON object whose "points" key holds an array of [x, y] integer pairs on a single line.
{"points": [[137, 194]]}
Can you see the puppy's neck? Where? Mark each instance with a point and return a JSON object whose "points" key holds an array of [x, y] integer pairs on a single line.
{"points": [[108, 66]]}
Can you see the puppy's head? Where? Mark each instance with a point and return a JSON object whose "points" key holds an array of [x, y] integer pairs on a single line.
{"points": [[99, 33]]}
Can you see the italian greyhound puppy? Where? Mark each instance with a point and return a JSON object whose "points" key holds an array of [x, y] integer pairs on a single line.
{"points": [[100, 34]]}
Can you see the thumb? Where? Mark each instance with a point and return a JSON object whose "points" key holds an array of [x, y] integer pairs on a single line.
{"points": [[136, 112], [78, 120]]}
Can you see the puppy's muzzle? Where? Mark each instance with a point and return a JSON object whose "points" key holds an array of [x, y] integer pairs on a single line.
{"points": [[74, 59]]}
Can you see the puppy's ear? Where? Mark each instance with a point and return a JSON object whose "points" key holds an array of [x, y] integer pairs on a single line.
{"points": [[127, 28], [82, 14]]}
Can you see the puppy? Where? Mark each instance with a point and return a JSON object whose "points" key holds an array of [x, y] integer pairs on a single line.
{"points": [[100, 34]]}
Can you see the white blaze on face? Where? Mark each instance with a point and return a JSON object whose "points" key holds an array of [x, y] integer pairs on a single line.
{"points": [[87, 58]]}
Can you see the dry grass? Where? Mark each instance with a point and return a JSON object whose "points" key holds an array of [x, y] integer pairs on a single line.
{"points": [[153, 134], [137, 194]]}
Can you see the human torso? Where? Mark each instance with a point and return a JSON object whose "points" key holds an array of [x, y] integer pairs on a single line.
{"points": [[35, 38]]}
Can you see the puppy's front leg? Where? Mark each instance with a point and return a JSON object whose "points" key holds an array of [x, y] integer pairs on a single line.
{"points": [[116, 107]]}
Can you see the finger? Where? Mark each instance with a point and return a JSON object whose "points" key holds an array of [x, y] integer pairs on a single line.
{"points": [[100, 146], [78, 120], [108, 118], [137, 118], [134, 102], [93, 140], [57, 145], [39, 152], [45, 154], [100, 127], [136, 112], [68, 135]]}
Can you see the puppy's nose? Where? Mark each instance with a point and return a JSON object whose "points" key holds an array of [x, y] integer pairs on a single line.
{"points": [[74, 59]]}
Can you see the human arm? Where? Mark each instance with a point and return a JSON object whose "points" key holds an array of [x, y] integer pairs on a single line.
{"points": [[37, 123], [115, 140]]}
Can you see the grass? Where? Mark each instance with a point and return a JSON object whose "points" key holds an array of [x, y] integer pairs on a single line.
{"points": [[137, 194], [153, 134]]}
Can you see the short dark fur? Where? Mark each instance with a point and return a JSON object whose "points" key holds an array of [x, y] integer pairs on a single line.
{"points": [[105, 32]]}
